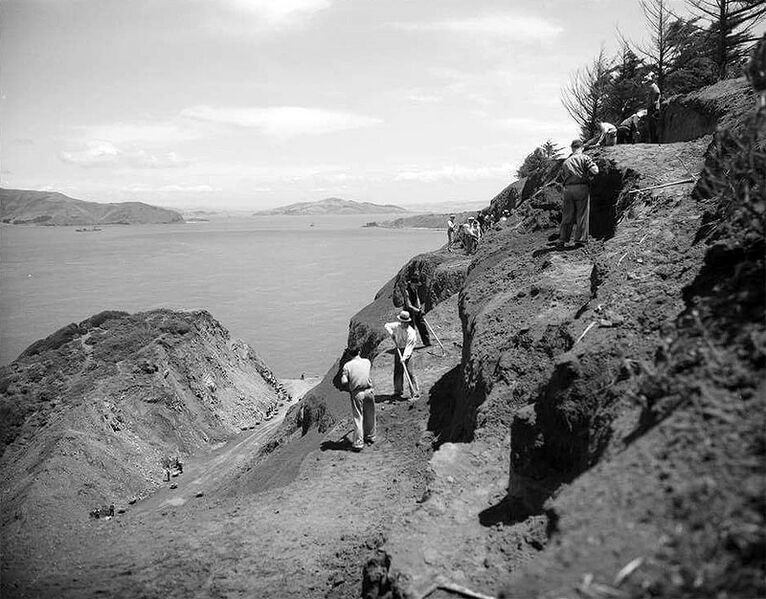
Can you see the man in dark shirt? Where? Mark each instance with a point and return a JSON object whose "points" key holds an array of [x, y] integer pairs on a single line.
{"points": [[627, 130], [414, 306], [577, 171]]}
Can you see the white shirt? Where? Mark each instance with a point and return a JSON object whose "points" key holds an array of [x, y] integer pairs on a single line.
{"points": [[356, 374], [404, 336]]}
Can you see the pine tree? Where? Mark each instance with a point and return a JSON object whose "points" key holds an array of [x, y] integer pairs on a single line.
{"points": [[584, 97], [732, 27]]}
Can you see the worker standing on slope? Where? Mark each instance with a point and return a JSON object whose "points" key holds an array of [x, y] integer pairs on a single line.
{"points": [[414, 306], [404, 337], [577, 171], [451, 226], [653, 107], [356, 377]]}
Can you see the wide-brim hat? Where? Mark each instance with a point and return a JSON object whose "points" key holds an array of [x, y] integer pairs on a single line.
{"points": [[404, 316]]}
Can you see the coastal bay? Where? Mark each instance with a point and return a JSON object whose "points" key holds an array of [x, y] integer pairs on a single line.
{"points": [[283, 284]]}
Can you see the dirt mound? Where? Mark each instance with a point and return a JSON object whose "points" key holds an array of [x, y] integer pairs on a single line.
{"points": [[724, 105], [88, 414]]}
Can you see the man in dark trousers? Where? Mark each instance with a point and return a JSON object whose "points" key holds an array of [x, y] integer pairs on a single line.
{"points": [[404, 337], [653, 108], [415, 307], [577, 171], [627, 130]]}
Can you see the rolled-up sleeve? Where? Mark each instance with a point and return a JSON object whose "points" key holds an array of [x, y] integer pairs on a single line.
{"points": [[410, 346]]}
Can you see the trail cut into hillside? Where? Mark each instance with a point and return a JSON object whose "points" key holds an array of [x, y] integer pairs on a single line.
{"points": [[591, 420]]}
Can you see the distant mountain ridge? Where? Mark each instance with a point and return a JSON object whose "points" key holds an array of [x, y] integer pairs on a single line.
{"points": [[21, 207], [331, 206]]}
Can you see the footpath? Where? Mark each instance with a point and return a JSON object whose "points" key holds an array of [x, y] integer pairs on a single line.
{"points": [[211, 537]]}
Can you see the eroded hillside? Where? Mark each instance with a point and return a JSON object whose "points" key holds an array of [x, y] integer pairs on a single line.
{"points": [[88, 415], [591, 423]]}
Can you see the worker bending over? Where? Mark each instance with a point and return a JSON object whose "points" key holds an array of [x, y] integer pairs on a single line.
{"points": [[606, 136]]}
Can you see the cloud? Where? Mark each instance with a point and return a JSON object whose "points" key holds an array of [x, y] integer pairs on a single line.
{"points": [[524, 125], [139, 132], [105, 154], [171, 188], [281, 121], [277, 12], [423, 97], [512, 27], [454, 173]]}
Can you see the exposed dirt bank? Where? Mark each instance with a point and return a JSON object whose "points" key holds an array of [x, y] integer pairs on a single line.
{"points": [[592, 428], [90, 414]]}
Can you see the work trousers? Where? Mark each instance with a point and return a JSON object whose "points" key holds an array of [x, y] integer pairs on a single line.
{"points": [[399, 375], [575, 211], [450, 236], [363, 413], [626, 135], [652, 121], [418, 319]]}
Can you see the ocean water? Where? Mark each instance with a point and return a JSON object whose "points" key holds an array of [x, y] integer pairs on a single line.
{"points": [[282, 285]]}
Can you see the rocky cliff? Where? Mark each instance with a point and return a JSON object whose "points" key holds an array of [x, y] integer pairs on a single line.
{"points": [[22, 207], [89, 414], [622, 383]]}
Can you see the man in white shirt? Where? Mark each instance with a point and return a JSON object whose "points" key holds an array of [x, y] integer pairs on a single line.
{"points": [[356, 377], [450, 231], [405, 337], [606, 136]]}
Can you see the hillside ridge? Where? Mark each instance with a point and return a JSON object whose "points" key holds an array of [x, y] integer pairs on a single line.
{"points": [[331, 206], [28, 207]]}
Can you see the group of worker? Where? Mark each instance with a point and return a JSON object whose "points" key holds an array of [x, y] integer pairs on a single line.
{"points": [[629, 131], [470, 232], [355, 374], [576, 173]]}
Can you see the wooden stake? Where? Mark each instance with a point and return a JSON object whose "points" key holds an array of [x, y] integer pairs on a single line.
{"points": [[663, 185]]}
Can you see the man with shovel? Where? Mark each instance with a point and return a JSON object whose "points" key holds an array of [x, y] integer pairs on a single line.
{"points": [[405, 337]]}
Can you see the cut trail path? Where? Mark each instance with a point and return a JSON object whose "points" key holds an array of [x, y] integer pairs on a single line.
{"points": [[307, 538]]}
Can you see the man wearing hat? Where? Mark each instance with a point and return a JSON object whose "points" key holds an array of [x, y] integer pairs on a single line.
{"points": [[405, 337], [450, 231], [356, 377]]}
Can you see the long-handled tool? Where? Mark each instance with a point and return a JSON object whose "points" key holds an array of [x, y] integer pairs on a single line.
{"points": [[413, 389], [430, 328]]}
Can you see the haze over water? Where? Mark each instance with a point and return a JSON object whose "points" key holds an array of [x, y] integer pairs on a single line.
{"points": [[283, 286]]}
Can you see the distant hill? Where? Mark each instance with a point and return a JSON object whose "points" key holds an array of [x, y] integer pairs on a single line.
{"points": [[332, 206], [21, 207], [422, 221]]}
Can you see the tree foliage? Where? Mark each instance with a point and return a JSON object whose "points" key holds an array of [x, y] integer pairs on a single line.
{"points": [[584, 97], [539, 159], [731, 30]]}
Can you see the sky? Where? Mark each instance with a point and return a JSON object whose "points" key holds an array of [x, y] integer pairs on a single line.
{"points": [[250, 104]]}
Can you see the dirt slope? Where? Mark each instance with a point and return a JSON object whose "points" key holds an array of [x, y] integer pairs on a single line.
{"points": [[89, 414], [594, 409], [232, 528]]}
